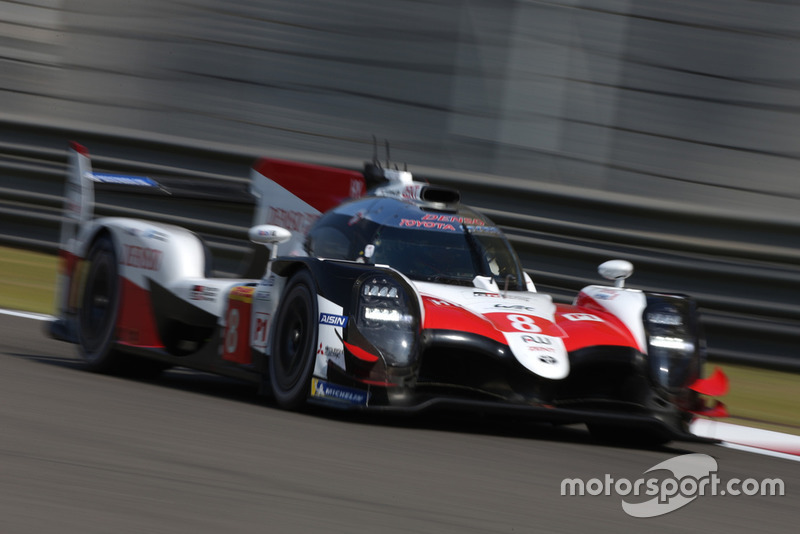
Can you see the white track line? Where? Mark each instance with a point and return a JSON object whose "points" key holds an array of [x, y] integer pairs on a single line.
{"points": [[765, 442], [763, 452], [27, 315]]}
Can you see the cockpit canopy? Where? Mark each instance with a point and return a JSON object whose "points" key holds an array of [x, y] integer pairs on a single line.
{"points": [[446, 246]]}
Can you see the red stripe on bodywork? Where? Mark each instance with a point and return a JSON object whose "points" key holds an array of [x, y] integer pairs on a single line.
{"points": [[321, 187], [577, 334], [360, 353], [444, 315], [136, 325], [585, 333]]}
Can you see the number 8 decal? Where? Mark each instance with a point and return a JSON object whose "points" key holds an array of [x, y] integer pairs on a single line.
{"points": [[523, 323], [231, 336]]}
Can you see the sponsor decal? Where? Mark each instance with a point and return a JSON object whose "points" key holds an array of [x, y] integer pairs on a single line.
{"points": [[439, 302], [260, 330], [428, 225], [355, 219], [141, 257], [204, 293], [326, 390], [411, 191], [483, 229], [333, 320], [537, 340], [296, 221], [547, 359], [356, 188], [582, 317], [601, 295], [123, 179], [517, 307], [483, 294], [242, 294], [536, 343], [331, 353], [453, 219], [152, 233], [267, 233]]}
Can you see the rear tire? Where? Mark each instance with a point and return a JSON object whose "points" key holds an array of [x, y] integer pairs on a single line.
{"points": [[295, 342], [97, 318], [99, 307]]}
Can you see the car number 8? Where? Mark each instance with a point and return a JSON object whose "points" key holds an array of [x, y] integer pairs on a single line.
{"points": [[523, 323]]}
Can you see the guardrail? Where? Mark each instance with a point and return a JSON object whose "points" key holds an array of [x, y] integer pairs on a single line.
{"points": [[743, 270]]}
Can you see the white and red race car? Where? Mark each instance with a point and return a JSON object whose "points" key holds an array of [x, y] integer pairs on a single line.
{"points": [[398, 300]]}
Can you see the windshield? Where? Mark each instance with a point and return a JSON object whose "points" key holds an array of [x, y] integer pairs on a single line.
{"points": [[448, 257]]}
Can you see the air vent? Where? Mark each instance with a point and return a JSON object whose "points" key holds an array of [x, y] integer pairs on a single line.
{"points": [[440, 195]]}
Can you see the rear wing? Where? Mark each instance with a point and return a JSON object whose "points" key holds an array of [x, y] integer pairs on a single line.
{"points": [[78, 210], [79, 192], [294, 195]]}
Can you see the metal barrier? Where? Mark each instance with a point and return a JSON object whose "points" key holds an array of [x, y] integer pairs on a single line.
{"points": [[742, 270]]}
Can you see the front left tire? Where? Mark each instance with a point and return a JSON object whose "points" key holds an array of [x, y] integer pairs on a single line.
{"points": [[295, 342]]}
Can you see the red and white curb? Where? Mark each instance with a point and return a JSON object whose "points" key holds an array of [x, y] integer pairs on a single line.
{"points": [[766, 442], [744, 438]]}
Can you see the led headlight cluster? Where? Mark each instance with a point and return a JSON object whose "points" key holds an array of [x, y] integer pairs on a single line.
{"points": [[386, 318], [672, 339], [380, 290]]}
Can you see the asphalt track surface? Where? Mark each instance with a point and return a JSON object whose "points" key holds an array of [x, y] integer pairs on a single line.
{"points": [[190, 452]]}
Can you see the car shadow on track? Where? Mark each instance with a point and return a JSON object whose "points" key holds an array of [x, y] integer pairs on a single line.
{"points": [[201, 383]]}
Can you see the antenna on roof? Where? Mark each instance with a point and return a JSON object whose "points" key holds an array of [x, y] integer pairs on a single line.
{"points": [[375, 151]]}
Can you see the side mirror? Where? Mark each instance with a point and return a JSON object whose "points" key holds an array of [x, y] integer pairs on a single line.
{"points": [[271, 236], [616, 270], [268, 234]]}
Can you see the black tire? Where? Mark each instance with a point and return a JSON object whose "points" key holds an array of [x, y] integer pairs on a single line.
{"points": [[294, 344], [97, 318], [99, 307]]}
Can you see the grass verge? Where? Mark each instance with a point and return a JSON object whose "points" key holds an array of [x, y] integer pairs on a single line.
{"points": [[27, 280]]}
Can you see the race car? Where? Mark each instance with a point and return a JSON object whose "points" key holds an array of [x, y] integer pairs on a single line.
{"points": [[378, 293]]}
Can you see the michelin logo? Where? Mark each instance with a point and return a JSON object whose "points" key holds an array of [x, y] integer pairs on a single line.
{"points": [[320, 388], [333, 320]]}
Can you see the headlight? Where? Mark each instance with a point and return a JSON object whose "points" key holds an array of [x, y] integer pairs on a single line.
{"points": [[387, 319], [674, 344]]}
